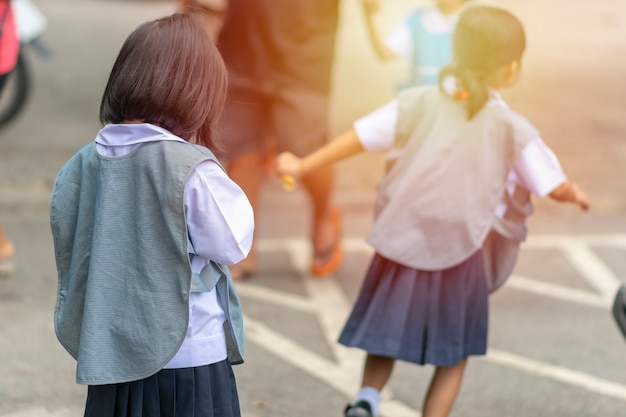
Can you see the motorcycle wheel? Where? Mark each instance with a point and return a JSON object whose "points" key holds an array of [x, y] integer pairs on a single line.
{"points": [[16, 91]]}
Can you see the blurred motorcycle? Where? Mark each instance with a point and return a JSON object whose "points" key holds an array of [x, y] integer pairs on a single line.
{"points": [[31, 24]]}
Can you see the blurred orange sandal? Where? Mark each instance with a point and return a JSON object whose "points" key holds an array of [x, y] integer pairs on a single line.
{"points": [[332, 256]]}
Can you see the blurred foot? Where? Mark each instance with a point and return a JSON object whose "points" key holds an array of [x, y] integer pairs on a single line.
{"points": [[360, 409], [7, 261]]}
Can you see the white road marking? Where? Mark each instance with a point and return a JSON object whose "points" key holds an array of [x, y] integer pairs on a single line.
{"points": [[267, 295], [550, 241], [42, 412], [567, 376], [591, 267], [579, 251], [559, 292]]}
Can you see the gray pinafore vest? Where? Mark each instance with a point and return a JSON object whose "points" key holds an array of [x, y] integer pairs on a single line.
{"points": [[122, 252], [446, 175]]}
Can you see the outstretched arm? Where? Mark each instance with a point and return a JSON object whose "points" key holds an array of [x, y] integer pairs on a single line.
{"points": [[370, 7], [540, 172], [345, 146], [568, 192]]}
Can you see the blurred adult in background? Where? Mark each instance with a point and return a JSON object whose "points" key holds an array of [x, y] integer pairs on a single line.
{"points": [[279, 55], [213, 12], [9, 47]]}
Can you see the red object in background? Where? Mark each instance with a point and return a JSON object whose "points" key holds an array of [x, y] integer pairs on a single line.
{"points": [[9, 44]]}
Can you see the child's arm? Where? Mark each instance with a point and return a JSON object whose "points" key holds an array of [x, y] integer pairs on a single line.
{"points": [[343, 147], [370, 7], [568, 192], [540, 172]]}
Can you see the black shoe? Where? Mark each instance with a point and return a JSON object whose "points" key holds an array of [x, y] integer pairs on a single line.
{"points": [[360, 409]]}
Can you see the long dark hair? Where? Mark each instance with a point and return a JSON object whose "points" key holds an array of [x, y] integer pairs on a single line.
{"points": [[168, 73], [485, 39]]}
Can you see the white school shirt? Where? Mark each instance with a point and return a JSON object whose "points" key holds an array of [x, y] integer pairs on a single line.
{"points": [[537, 168], [214, 206]]}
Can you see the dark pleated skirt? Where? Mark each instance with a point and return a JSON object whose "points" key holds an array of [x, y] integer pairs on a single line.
{"points": [[204, 391], [423, 317]]}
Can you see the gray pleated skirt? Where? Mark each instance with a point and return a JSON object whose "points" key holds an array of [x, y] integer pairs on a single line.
{"points": [[204, 391], [423, 317]]}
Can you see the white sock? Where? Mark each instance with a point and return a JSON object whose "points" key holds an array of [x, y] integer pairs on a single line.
{"points": [[372, 396]]}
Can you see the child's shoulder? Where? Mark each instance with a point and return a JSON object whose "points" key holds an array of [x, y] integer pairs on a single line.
{"points": [[513, 123], [509, 115], [422, 95], [81, 154], [184, 149], [424, 102]]}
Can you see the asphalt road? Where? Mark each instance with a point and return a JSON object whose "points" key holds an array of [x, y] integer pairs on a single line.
{"points": [[554, 350]]}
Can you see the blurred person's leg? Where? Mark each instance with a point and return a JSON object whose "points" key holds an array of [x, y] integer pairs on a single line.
{"points": [[243, 133], [248, 171], [300, 126], [326, 232]]}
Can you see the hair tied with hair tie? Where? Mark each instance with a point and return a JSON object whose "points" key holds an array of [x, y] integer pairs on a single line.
{"points": [[462, 95]]}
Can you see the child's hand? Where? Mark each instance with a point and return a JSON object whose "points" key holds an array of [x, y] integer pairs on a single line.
{"points": [[580, 197], [571, 193], [289, 164], [371, 6]]}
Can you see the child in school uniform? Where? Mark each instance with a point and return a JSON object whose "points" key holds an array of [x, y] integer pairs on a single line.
{"points": [[461, 165], [423, 38], [145, 222]]}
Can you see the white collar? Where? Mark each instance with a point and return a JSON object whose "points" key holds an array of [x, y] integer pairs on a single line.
{"points": [[125, 134]]}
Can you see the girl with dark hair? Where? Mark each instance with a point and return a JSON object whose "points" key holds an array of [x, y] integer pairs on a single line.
{"points": [[461, 168], [144, 221]]}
